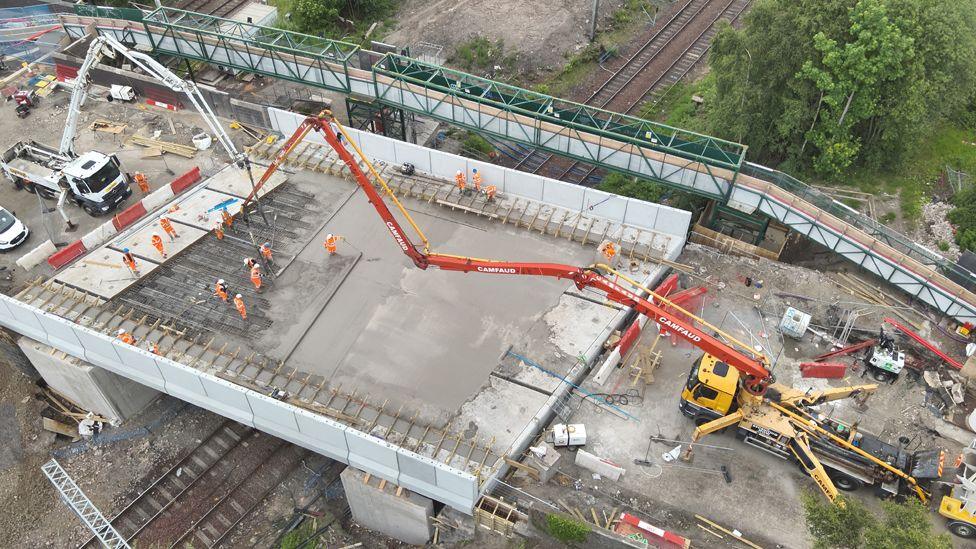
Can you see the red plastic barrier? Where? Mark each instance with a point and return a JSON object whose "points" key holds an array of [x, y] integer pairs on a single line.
{"points": [[658, 536], [65, 255], [630, 336], [181, 183], [65, 72], [129, 216], [824, 370]]}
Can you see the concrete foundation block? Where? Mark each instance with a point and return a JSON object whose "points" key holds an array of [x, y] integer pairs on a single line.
{"points": [[603, 467], [406, 517], [94, 389], [546, 464]]}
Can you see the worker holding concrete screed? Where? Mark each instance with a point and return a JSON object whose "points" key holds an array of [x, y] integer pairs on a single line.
{"points": [[167, 226], [157, 243], [220, 290], [130, 261], [239, 303]]}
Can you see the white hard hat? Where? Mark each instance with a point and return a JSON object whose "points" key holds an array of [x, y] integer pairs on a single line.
{"points": [[121, 331], [460, 172], [155, 234], [238, 295], [328, 236], [221, 281]]}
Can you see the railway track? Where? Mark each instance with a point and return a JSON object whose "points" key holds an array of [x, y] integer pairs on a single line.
{"points": [[180, 478], [220, 520], [581, 173], [219, 8]]}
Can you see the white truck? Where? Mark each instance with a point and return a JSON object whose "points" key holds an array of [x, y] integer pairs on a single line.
{"points": [[93, 180]]}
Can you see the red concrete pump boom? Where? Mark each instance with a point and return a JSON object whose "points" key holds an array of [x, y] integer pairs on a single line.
{"points": [[756, 376]]}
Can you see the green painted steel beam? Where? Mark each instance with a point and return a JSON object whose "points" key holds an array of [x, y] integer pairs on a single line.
{"points": [[261, 37], [693, 146]]}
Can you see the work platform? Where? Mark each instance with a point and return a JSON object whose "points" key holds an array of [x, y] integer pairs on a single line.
{"points": [[361, 356]]}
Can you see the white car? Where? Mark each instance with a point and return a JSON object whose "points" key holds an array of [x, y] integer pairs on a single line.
{"points": [[13, 232]]}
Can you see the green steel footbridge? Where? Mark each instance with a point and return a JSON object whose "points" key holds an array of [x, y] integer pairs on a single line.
{"points": [[681, 159]]}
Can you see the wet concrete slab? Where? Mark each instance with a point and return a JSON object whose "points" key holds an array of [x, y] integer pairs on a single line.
{"points": [[426, 340], [235, 181], [139, 241], [102, 273]]}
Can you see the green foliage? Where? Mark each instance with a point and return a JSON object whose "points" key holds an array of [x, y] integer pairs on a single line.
{"points": [[833, 84], [963, 216], [566, 530], [850, 525], [887, 218], [852, 79], [649, 191], [640, 189], [677, 108], [332, 18], [475, 146], [911, 198], [838, 526], [296, 537], [482, 55], [904, 525]]}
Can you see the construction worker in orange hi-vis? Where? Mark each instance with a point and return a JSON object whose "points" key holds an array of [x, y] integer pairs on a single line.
{"points": [[130, 261], [608, 249], [220, 290], [256, 277], [460, 180], [249, 263], [332, 243], [219, 230], [239, 303], [143, 182], [125, 337], [226, 217], [266, 252], [167, 226], [490, 191], [153, 347], [476, 179], [157, 243]]}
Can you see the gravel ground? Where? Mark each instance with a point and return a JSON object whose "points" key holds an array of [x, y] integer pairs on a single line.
{"points": [[545, 35]]}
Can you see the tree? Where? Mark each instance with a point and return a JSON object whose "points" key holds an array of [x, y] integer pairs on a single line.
{"points": [[963, 216], [830, 84], [848, 525], [851, 79], [904, 525], [836, 526]]}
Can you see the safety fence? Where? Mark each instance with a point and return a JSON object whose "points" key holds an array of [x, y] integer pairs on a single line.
{"points": [[628, 211]]}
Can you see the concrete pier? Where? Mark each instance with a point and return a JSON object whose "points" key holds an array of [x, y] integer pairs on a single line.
{"points": [[384, 507], [94, 389]]}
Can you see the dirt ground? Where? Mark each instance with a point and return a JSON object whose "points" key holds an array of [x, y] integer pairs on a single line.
{"points": [[762, 500], [546, 33]]}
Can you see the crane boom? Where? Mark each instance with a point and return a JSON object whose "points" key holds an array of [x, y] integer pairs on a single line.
{"points": [[106, 45], [756, 376]]}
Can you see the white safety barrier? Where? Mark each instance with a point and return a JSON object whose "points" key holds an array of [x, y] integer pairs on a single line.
{"points": [[316, 432], [37, 256], [99, 235], [637, 213]]}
